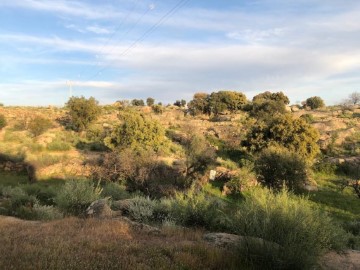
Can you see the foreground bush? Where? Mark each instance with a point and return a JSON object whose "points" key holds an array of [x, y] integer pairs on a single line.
{"points": [[302, 232], [76, 195], [196, 209]]}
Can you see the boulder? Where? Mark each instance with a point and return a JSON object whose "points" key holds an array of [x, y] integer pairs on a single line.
{"points": [[99, 209]]}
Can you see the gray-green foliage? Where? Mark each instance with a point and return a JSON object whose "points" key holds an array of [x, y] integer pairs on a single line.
{"points": [[141, 209], [76, 195], [302, 232], [83, 112], [196, 209], [46, 212]]}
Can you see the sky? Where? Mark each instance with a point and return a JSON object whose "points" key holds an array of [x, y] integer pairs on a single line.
{"points": [[170, 49]]}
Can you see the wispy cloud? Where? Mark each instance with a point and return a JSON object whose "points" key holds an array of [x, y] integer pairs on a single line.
{"points": [[74, 8]]}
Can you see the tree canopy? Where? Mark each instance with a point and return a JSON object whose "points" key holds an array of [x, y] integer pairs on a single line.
{"points": [[315, 102], [83, 111], [294, 134]]}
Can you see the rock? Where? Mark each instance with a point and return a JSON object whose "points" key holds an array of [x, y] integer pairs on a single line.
{"points": [[288, 109], [99, 209], [222, 239], [140, 226], [309, 187], [229, 240], [122, 205]]}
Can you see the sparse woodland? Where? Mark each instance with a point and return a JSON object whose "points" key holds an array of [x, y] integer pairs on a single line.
{"points": [[285, 183]]}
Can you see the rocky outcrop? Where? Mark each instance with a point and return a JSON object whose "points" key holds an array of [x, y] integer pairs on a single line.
{"points": [[99, 209]]}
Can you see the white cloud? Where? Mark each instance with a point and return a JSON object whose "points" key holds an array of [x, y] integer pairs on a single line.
{"points": [[74, 8]]}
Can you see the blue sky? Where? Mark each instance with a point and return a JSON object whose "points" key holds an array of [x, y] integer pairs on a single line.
{"points": [[125, 49]]}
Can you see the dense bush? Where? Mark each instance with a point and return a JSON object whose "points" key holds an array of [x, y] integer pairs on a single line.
{"points": [[76, 195], [199, 104], [294, 134], [315, 102], [267, 104], [136, 132], [301, 232], [46, 212], [158, 109], [83, 112], [231, 101], [3, 122], [244, 179], [116, 191], [141, 209], [137, 102], [150, 101], [196, 209], [279, 168], [18, 203]]}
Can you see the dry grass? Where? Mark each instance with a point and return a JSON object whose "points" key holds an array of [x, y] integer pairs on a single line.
{"points": [[103, 244]]}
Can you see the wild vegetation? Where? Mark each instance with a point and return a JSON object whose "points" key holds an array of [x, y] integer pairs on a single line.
{"points": [[285, 179]]}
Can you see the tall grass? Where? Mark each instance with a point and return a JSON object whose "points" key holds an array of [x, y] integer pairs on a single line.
{"points": [[302, 232], [76, 195]]}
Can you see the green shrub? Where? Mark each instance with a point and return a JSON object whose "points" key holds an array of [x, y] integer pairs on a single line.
{"points": [[309, 118], [39, 125], [315, 102], [3, 122], [196, 209], [278, 168], [58, 145], [244, 179], [83, 112], [141, 209], [293, 134], [18, 203], [136, 132], [115, 191], [76, 195], [302, 232], [46, 212]]}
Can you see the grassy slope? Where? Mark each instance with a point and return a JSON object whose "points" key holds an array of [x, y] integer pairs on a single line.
{"points": [[97, 244]]}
